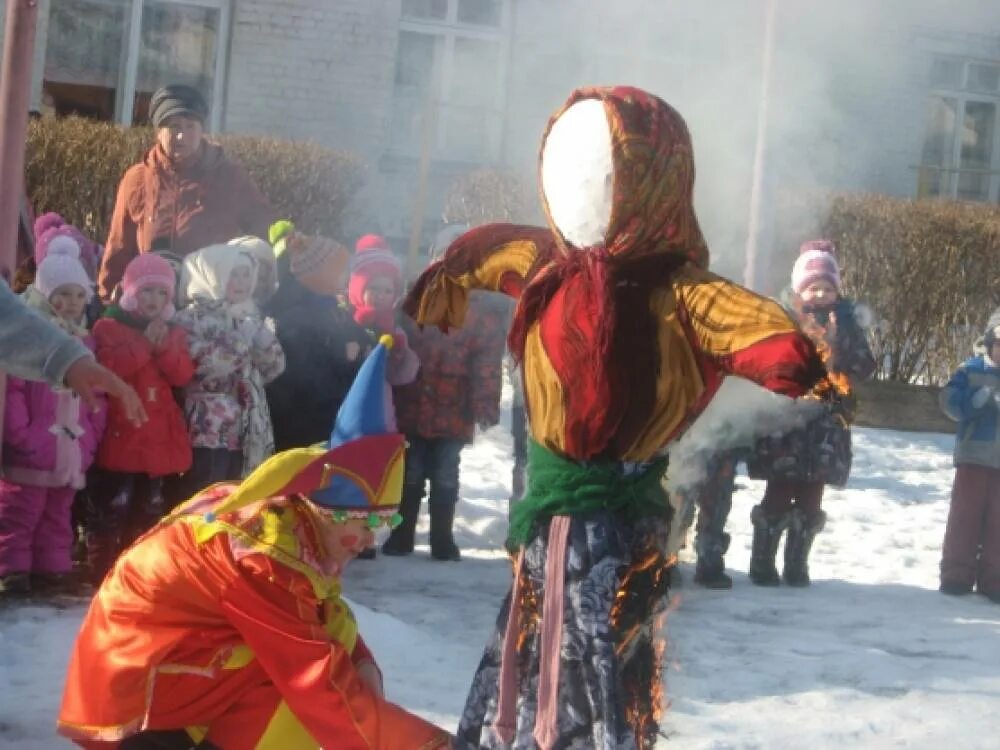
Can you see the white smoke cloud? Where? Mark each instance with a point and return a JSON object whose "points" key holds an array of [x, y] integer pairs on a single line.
{"points": [[739, 413]]}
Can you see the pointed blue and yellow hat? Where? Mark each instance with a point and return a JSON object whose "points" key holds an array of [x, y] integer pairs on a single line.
{"points": [[358, 473]]}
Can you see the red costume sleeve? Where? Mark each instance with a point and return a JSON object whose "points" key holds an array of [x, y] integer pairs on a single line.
{"points": [[745, 334], [316, 677]]}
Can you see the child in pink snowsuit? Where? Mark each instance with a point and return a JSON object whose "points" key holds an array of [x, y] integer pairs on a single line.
{"points": [[49, 441]]}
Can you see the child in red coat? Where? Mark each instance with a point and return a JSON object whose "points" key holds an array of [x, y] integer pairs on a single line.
{"points": [[135, 341]]}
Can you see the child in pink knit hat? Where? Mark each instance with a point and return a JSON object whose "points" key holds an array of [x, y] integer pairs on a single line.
{"points": [[799, 464], [49, 441], [136, 340], [374, 291]]}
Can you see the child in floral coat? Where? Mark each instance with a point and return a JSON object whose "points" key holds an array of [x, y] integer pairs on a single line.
{"points": [[136, 341], [236, 354], [800, 463], [49, 441]]}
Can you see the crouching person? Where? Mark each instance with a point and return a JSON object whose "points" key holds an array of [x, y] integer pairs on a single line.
{"points": [[971, 555], [223, 627]]}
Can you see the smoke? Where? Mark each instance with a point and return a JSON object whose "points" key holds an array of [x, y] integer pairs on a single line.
{"points": [[739, 413], [848, 96]]}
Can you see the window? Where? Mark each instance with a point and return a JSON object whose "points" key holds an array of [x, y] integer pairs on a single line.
{"points": [[961, 156], [449, 79], [105, 58]]}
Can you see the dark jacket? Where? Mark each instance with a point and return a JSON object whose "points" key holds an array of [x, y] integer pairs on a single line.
{"points": [[315, 333], [821, 450], [160, 208], [460, 373]]}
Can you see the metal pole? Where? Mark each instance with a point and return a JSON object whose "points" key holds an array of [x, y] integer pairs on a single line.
{"points": [[750, 273], [15, 90]]}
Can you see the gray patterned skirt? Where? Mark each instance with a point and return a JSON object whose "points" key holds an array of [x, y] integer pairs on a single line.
{"points": [[610, 657]]}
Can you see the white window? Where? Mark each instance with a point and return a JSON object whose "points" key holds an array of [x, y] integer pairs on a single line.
{"points": [[961, 157], [105, 58], [449, 82]]}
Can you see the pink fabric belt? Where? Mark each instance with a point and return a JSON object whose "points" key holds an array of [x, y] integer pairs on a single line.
{"points": [[546, 730]]}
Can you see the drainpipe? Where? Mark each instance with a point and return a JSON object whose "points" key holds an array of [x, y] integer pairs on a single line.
{"points": [[15, 90], [750, 273]]}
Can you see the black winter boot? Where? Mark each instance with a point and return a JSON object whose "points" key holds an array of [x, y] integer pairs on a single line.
{"points": [[400, 541], [802, 530], [710, 571], [767, 531], [15, 585], [443, 545]]}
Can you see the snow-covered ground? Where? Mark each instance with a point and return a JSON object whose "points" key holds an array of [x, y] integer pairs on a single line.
{"points": [[870, 656]]}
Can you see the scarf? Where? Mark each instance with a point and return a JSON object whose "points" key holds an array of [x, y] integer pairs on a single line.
{"points": [[380, 321], [38, 302], [593, 304]]}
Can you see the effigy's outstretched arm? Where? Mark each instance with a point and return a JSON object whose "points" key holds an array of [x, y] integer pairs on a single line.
{"points": [[494, 257]]}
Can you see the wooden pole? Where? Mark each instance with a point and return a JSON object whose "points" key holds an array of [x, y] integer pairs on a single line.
{"points": [[427, 144], [15, 92], [750, 272]]}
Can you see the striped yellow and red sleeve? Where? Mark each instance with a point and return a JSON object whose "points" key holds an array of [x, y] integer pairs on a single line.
{"points": [[745, 334], [494, 257]]}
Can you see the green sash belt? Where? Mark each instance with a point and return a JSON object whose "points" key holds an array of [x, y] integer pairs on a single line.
{"points": [[558, 486]]}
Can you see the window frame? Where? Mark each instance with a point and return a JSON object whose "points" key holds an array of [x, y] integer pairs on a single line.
{"points": [[450, 29], [128, 65], [963, 96]]}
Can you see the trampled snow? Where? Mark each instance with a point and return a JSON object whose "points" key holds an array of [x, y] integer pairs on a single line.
{"points": [[870, 656]]}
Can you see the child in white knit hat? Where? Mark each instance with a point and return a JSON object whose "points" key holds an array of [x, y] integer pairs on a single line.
{"points": [[49, 441]]}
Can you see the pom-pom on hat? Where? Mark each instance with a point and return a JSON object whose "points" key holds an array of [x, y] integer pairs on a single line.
{"points": [[62, 266], [318, 263], [817, 261], [148, 270], [357, 474], [372, 258], [51, 229]]}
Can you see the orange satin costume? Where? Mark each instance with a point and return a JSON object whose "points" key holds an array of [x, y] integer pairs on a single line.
{"points": [[226, 626]]}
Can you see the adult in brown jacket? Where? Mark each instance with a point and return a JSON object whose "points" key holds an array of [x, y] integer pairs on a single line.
{"points": [[185, 194]]}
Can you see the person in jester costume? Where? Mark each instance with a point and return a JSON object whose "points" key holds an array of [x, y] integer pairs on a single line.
{"points": [[224, 627], [623, 337]]}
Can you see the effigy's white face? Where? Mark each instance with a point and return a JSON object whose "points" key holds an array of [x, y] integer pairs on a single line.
{"points": [[578, 173]]}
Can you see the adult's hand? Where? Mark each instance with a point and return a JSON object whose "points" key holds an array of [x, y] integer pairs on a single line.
{"points": [[88, 378]]}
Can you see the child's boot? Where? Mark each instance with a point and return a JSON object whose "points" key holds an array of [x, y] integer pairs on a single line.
{"points": [[14, 585], [710, 570], [802, 530], [767, 531], [400, 541], [443, 545]]}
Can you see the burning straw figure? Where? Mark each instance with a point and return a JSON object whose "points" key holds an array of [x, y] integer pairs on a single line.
{"points": [[800, 463], [623, 337]]}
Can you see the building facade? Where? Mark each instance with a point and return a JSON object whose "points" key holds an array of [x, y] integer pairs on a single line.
{"points": [[786, 99]]}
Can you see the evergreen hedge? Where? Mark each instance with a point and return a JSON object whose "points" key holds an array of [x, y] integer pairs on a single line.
{"points": [[73, 166]]}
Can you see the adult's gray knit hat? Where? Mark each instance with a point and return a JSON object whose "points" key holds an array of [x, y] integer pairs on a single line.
{"points": [[177, 99]]}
